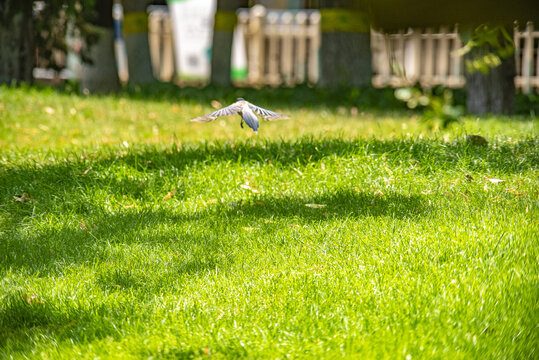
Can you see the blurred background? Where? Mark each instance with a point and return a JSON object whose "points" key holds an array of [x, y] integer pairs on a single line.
{"points": [[488, 48]]}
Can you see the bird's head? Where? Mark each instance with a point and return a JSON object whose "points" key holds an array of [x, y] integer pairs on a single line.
{"points": [[240, 99]]}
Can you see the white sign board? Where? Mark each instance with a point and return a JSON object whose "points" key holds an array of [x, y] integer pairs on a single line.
{"points": [[192, 29]]}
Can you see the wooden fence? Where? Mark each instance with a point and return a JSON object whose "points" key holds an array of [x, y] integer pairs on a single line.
{"points": [[282, 47], [160, 41], [425, 57], [527, 59], [430, 58]]}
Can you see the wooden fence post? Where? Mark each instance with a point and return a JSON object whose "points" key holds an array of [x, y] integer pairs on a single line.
{"points": [[301, 46], [398, 74], [154, 38], [287, 60], [256, 48], [272, 33], [161, 47], [314, 41], [442, 57], [429, 58], [167, 51], [456, 72], [527, 61], [243, 21], [415, 38]]}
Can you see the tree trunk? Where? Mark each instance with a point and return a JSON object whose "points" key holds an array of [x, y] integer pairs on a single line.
{"points": [[223, 34], [346, 49], [493, 92], [16, 42], [102, 75], [502, 98], [345, 59], [136, 41]]}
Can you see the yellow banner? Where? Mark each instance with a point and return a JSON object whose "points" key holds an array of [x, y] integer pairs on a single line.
{"points": [[225, 20], [135, 23], [344, 20]]}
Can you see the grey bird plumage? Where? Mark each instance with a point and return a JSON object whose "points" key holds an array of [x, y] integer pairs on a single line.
{"points": [[246, 110]]}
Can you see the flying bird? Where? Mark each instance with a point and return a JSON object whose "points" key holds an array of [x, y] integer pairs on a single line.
{"points": [[247, 112]]}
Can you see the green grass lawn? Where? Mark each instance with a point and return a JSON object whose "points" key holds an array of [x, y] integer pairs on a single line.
{"points": [[128, 232]]}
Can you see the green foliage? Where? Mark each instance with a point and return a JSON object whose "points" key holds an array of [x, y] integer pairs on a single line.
{"points": [[58, 18], [488, 47], [437, 105], [128, 232], [527, 104]]}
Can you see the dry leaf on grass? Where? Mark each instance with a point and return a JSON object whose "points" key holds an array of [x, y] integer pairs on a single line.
{"points": [[516, 192], [30, 299], [315, 206], [49, 110], [494, 181], [87, 171], [24, 198], [296, 170], [169, 195], [247, 187]]}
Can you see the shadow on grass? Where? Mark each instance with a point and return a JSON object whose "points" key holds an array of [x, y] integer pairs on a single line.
{"points": [[23, 314], [432, 155], [64, 187], [341, 204], [111, 238], [53, 247], [305, 97], [107, 236]]}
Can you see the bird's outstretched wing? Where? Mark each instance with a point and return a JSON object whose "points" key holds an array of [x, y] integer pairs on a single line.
{"points": [[226, 111], [268, 115]]}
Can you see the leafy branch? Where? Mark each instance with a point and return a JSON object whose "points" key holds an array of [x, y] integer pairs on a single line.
{"points": [[488, 46]]}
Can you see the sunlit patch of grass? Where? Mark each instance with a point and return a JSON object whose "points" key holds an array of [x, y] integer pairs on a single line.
{"points": [[126, 231]]}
